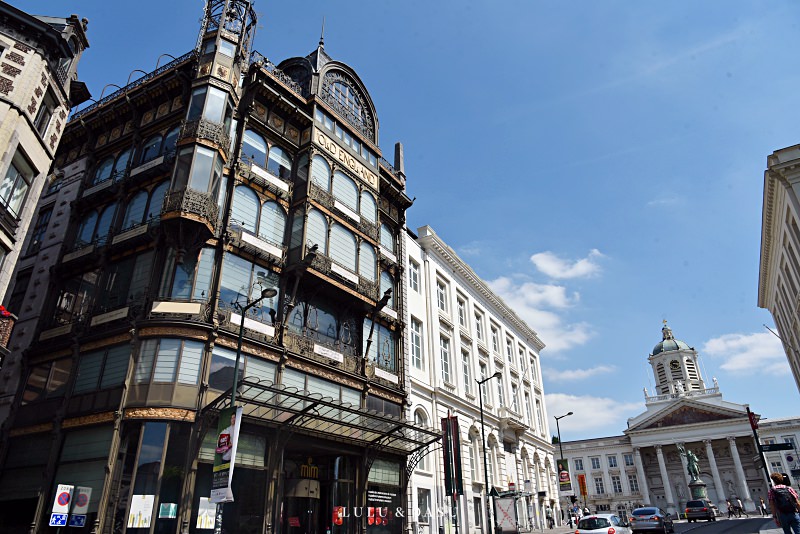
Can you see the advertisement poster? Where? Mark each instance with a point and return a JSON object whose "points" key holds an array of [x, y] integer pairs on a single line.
{"points": [[564, 480], [205, 514], [230, 419], [141, 511], [168, 510]]}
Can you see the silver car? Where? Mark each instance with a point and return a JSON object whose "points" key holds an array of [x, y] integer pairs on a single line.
{"points": [[651, 519]]}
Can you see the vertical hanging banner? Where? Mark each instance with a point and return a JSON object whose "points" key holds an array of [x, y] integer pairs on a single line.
{"points": [[451, 441], [230, 419], [564, 480], [582, 485]]}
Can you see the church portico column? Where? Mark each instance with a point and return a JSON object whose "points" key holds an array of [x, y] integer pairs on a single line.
{"points": [[665, 480], [737, 462], [715, 472], [643, 489]]}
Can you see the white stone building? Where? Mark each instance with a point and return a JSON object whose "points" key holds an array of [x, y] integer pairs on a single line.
{"points": [[38, 86], [460, 332], [644, 465]]}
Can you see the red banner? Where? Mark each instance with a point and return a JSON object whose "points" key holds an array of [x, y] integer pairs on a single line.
{"points": [[582, 485]]}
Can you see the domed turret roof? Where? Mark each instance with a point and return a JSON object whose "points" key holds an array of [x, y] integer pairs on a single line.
{"points": [[668, 342]]}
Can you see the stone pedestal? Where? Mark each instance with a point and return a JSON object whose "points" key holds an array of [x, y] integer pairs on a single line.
{"points": [[698, 489]]}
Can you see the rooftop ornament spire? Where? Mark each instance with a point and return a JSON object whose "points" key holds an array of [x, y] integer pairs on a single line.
{"points": [[666, 332], [322, 34]]}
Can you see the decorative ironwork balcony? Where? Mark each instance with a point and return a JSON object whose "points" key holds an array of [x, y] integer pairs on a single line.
{"points": [[269, 66], [341, 356], [188, 204], [205, 129], [257, 246], [8, 222], [262, 177], [179, 309]]}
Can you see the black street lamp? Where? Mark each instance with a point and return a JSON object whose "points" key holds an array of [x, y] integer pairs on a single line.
{"points": [[498, 374], [561, 448]]}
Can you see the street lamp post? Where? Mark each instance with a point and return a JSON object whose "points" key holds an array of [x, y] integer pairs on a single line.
{"points": [[561, 448], [266, 292], [498, 374]]}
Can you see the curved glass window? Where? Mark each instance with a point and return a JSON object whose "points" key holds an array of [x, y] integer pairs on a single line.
{"points": [[347, 97], [387, 238], [190, 279], [273, 222], [387, 282], [280, 163], [321, 172], [151, 149], [200, 179], [343, 247], [104, 224], [369, 209], [382, 350], [157, 200], [86, 229], [345, 190], [367, 261], [244, 212], [171, 141], [103, 171], [317, 231], [254, 148], [322, 322], [134, 211], [122, 164]]}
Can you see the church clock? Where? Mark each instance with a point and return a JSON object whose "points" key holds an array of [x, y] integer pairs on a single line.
{"points": [[674, 365]]}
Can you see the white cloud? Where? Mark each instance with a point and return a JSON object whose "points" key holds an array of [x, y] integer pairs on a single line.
{"points": [[572, 375], [532, 303], [553, 266], [665, 201], [758, 353], [592, 416]]}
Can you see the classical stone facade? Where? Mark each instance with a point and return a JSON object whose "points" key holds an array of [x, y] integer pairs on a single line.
{"points": [[460, 332], [645, 464]]}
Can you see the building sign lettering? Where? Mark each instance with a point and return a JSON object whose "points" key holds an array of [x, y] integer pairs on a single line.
{"points": [[339, 153]]}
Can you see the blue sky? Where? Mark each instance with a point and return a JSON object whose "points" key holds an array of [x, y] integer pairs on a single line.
{"points": [[599, 163]]}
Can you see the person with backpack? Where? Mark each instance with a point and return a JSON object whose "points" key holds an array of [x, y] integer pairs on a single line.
{"points": [[784, 503]]}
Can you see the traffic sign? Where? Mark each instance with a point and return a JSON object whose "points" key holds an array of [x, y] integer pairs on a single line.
{"points": [[58, 520], [63, 497], [80, 500], [776, 447], [77, 521]]}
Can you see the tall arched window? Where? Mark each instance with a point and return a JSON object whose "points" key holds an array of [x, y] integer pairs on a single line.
{"points": [[273, 222], [170, 141], [317, 231], [345, 190], [103, 171], [279, 163], [244, 212], [369, 209], [387, 282], [151, 149], [421, 421], [321, 172], [157, 200], [343, 247], [367, 261], [387, 238], [254, 148], [104, 224], [134, 211], [86, 229], [122, 164]]}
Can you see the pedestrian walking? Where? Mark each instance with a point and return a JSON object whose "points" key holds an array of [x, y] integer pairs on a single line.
{"points": [[740, 508], [784, 503], [730, 508]]}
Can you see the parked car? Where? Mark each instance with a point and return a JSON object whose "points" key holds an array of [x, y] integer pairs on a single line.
{"points": [[602, 524], [651, 519], [701, 509]]}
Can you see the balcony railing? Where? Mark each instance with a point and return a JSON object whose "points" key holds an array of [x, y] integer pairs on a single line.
{"points": [[191, 204], [269, 66], [691, 393], [205, 129]]}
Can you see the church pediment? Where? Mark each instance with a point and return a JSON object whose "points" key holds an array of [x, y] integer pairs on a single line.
{"points": [[686, 414]]}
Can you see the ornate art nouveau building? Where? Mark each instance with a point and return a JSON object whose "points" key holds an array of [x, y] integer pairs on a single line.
{"points": [[217, 202], [644, 466]]}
